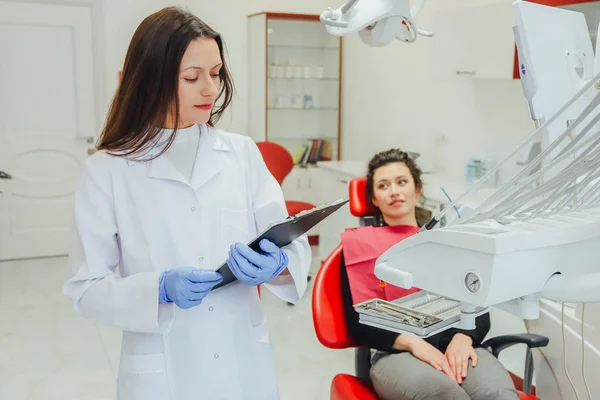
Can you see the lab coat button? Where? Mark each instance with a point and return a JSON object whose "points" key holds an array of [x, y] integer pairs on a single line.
{"points": [[216, 355], [210, 308], [193, 209], [201, 259]]}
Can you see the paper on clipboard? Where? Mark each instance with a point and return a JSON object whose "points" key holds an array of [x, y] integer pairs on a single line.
{"points": [[285, 232]]}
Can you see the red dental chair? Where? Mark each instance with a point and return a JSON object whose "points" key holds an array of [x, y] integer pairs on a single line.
{"points": [[330, 324], [280, 163]]}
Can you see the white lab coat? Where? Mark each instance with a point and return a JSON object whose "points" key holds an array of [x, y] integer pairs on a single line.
{"points": [[144, 217]]}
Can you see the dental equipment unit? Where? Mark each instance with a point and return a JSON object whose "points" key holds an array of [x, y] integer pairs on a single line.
{"points": [[538, 235]]}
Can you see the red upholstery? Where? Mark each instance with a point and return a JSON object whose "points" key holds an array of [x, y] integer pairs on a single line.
{"points": [[359, 205], [279, 161], [348, 387], [294, 207], [330, 326], [328, 306]]}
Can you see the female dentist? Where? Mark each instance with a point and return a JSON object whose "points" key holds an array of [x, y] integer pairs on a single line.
{"points": [[163, 200]]}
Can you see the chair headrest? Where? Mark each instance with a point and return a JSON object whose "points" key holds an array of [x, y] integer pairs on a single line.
{"points": [[278, 160], [360, 206]]}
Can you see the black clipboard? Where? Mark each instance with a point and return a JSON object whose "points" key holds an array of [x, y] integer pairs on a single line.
{"points": [[285, 232]]}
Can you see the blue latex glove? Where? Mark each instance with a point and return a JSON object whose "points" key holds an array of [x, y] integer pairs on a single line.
{"points": [[186, 286], [254, 268]]}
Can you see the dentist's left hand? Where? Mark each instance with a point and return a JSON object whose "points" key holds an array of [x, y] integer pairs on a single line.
{"points": [[254, 268]]}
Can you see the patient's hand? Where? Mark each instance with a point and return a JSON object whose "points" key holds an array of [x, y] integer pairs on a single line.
{"points": [[425, 352], [458, 353]]}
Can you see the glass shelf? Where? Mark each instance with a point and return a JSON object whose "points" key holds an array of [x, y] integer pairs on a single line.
{"points": [[302, 79], [303, 108], [296, 139], [299, 46]]}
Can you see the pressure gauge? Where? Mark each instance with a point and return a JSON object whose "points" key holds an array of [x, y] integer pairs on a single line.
{"points": [[472, 282]]}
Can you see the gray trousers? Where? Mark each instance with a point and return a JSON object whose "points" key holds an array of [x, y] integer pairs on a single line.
{"points": [[404, 377]]}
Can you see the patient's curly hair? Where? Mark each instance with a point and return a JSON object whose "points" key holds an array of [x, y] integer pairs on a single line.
{"points": [[388, 157]]}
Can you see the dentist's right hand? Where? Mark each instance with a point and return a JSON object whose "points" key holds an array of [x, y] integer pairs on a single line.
{"points": [[186, 286]]}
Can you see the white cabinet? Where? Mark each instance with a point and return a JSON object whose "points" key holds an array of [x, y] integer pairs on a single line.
{"points": [[301, 185], [475, 42], [294, 184]]}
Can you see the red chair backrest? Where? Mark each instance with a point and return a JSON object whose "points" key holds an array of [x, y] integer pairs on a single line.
{"points": [[328, 306], [327, 303], [279, 161], [360, 206]]}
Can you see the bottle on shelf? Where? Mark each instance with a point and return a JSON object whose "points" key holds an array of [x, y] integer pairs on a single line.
{"points": [[320, 72], [308, 101], [279, 69], [307, 73], [289, 69], [278, 101], [296, 101]]}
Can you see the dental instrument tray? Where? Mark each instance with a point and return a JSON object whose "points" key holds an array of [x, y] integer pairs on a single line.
{"points": [[422, 314], [285, 232]]}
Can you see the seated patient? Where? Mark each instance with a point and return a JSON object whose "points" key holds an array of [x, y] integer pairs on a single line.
{"points": [[448, 365]]}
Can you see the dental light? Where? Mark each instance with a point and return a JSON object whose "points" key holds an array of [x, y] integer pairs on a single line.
{"points": [[377, 22]]}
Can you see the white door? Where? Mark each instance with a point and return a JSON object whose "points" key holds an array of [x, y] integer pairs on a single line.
{"points": [[47, 112]]}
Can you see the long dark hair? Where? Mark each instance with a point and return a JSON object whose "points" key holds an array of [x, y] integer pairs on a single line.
{"points": [[148, 90], [390, 156]]}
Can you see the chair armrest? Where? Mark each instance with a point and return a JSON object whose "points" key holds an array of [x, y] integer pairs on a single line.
{"points": [[499, 343]]}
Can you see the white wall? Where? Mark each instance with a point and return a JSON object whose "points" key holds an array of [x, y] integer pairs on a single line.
{"points": [[413, 109], [389, 96]]}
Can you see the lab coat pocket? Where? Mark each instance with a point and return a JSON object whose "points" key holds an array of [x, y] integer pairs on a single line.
{"points": [[143, 377], [264, 381], [261, 332]]}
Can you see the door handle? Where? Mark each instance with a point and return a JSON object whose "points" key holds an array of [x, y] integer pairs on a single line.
{"points": [[87, 139], [4, 175]]}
